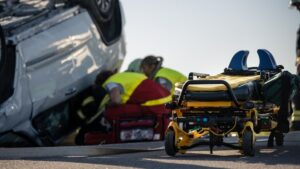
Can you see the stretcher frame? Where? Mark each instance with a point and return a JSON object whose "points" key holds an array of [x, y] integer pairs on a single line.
{"points": [[245, 118]]}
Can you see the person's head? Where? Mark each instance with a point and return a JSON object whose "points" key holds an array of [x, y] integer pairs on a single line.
{"points": [[134, 66], [150, 64], [295, 3]]}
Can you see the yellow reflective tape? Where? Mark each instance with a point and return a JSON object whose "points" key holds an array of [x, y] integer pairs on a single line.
{"points": [[80, 114], [158, 101], [100, 109], [87, 101], [104, 101]]}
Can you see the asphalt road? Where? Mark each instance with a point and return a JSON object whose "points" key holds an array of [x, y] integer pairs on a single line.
{"points": [[151, 156]]}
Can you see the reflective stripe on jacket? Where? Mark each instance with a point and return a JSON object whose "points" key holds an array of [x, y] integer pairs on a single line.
{"points": [[156, 102]]}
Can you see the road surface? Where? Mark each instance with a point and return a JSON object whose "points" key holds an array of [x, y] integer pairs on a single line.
{"points": [[151, 155]]}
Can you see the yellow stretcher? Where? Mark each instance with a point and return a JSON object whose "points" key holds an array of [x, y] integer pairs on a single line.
{"points": [[207, 108], [233, 81]]}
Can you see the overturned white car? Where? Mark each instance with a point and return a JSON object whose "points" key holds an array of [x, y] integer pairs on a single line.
{"points": [[51, 52]]}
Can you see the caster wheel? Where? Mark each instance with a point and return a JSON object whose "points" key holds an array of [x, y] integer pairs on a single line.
{"points": [[170, 147]]}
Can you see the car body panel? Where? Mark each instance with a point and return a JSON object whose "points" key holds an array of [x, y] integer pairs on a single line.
{"points": [[56, 59], [59, 60]]}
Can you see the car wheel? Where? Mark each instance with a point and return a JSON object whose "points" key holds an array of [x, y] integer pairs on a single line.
{"points": [[101, 9]]}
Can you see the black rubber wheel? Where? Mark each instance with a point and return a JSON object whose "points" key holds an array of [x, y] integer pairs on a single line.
{"points": [[256, 123], [295, 125], [101, 9], [248, 143], [257, 128], [170, 147], [279, 139], [108, 18], [296, 100]]}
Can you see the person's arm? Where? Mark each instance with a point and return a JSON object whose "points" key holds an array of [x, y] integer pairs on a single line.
{"points": [[115, 92], [164, 83], [115, 96]]}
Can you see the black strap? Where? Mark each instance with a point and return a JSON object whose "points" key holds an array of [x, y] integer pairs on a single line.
{"points": [[157, 67]]}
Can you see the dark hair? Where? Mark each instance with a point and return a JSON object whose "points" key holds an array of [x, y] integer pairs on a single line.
{"points": [[152, 60], [102, 77]]}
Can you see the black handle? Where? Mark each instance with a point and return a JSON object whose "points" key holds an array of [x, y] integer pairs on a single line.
{"points": [[226, 84], [192, 74]]}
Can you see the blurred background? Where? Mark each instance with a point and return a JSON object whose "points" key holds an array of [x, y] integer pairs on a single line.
{"points": [[203, 35]]}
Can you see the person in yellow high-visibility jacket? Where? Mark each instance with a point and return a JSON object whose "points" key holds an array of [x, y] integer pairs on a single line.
{"points": [[127, 94], [166, 77], [134, 88]]}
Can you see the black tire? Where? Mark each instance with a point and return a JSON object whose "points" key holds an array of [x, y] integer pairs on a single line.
{"points": [[170, 147], [295, 125], [256, 123], [257, 128], [248, 143], [296, 101], [109, 23], [101, 9], [279, 139]]}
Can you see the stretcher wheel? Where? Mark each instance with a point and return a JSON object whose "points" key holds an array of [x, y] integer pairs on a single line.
{"points": [[170, 147], [248, 143], [279, 139]]}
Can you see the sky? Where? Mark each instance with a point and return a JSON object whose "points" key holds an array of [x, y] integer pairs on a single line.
{"points": [[203, 35]]}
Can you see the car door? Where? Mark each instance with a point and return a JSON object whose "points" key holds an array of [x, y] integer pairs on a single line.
{"points": [[52, 58]]}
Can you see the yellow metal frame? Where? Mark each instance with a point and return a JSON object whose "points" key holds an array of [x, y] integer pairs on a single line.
{"points": [[212, 104], [187, 139], [182, 138]]}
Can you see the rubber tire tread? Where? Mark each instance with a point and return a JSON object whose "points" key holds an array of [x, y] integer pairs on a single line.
{"points": [[248, 144], [170, 148]]}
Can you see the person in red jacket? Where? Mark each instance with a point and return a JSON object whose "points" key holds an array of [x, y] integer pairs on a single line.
{"points": [[128, 94], [130, 88]]}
